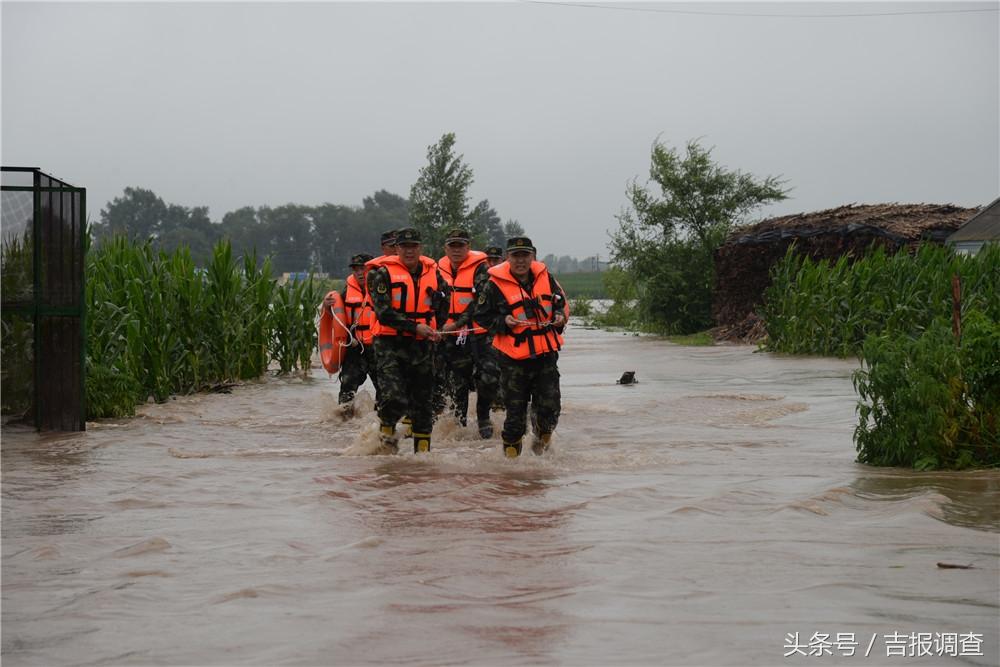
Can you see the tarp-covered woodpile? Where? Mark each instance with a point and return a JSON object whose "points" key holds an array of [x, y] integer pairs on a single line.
{"points": [[743, 262]]}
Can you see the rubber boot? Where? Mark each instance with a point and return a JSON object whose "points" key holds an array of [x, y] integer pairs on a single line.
{"points": [[387, 439], [485, 429], [407, 427], [421, 442], [512, 449], [541, 443]]}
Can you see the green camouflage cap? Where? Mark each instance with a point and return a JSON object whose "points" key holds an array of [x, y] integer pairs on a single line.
{"points": [[494, 251], [459, 235], [519, 243], [388, 238], [360, 259], [408, 236]]}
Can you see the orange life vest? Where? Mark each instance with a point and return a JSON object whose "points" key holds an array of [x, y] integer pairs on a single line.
{"points": [[370, 266], [535, 310], [359, 310], [413, 301], [462, 282]]}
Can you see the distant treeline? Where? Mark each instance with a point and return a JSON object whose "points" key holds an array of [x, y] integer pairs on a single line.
{"points": [[297, 238]]}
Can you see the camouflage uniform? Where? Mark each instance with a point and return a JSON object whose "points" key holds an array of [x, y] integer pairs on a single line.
{"points": [[404, 365], [359, 359], [534, 380], [490, 357], [358, 364], [487, 374], [469, 368]]}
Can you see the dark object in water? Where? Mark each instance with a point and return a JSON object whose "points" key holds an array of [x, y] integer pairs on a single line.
{"points": [[628, 377], [953, 566]]}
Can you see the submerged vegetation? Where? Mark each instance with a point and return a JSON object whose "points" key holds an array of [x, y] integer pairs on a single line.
{"points": [[929, 396], [927, 402], [158, 325]]}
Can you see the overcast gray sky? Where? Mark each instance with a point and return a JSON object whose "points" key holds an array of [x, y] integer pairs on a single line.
{"points": [[555, 107]]}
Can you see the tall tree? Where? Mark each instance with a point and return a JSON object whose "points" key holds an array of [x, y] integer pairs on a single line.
{"points": [[289, 232], [439, 199], [242, 228], [138, 213], [665, 241], [485, 228], [511, 228]]}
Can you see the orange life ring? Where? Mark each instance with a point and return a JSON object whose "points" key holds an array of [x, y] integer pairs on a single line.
{"points": [[333, 335]]}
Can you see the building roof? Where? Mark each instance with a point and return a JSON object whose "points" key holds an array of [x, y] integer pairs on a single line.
{"points": [[983, 226], [901, 222]]}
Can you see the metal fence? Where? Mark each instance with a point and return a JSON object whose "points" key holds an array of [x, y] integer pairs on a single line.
{"points": [[42, 367]]}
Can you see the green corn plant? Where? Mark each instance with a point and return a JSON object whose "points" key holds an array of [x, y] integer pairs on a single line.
{"points": [[829, 308], [224, 291], [258, 293], [159, 325]]}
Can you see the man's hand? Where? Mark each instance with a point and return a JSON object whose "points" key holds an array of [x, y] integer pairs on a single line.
{"points": [[427, 332], [448, 328], [511, 321], [558, 319], [328, 301]]}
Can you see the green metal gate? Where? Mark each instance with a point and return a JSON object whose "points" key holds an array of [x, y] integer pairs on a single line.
{"points": [[42, 284]]}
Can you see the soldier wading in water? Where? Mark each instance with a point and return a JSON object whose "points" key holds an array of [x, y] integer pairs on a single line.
{"points": [[525, 308], [409, 297], [468, 364]]}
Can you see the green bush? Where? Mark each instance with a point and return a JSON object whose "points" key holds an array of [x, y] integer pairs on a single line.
{"points": [[928, 402], [623, 311], [581, 307], [675, 296]]}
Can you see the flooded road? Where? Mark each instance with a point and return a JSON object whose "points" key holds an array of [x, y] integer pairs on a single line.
{"points": [[701, 517]]}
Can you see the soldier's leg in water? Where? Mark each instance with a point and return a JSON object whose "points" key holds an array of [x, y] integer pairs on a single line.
{"points": [[390, 357], [419, 366], [440, 378], [516, 381], [369, 356], [460, 369], [487, 379], [352, 374], [372, 351], [546, 402]]}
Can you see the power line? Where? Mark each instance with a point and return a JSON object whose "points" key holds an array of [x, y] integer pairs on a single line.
{"points": [[696, 12]]}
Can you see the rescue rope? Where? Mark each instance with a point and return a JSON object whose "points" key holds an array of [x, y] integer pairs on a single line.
{"points": [[350, 333]]}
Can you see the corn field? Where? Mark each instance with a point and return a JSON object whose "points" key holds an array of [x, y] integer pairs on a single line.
{"points": [[819, 307], [158, 325]]}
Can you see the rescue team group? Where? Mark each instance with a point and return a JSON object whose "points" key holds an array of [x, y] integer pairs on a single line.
{"points": [[426, 331]]}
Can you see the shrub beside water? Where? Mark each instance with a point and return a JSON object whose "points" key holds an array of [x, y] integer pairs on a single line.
{"points": [[928, 402], [158, 325]]}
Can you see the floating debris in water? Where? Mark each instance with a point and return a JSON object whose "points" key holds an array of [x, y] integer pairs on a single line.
{"points": [[955, 566], [628, 377]]}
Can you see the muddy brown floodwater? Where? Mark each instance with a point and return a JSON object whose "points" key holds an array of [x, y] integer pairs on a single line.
{"points": [[703, 516]]}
